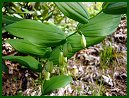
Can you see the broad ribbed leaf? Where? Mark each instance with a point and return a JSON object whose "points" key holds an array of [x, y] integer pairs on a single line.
{"points": [[114, 7], [26, 47], [27, 61], [56, 82], [93, 40], [9, 19], [101, 25], [95, 31], [75, 41], [74, 10], [37, 33]]}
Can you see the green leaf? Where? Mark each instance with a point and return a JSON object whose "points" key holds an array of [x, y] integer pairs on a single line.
{"points": [[114, 7], [37, 33], [54, 56], [74, 10], [49, 66], [75, 41], [26, 47], [101, 25], [94, 40], [56, 82], [95, 31], [9, 19], [27, 61]]}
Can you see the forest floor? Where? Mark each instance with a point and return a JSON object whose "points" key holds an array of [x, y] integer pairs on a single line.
{"points": [[99, 70]]}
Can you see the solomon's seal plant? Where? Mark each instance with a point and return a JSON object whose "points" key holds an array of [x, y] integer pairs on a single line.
{"points": [[46, 41]]}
